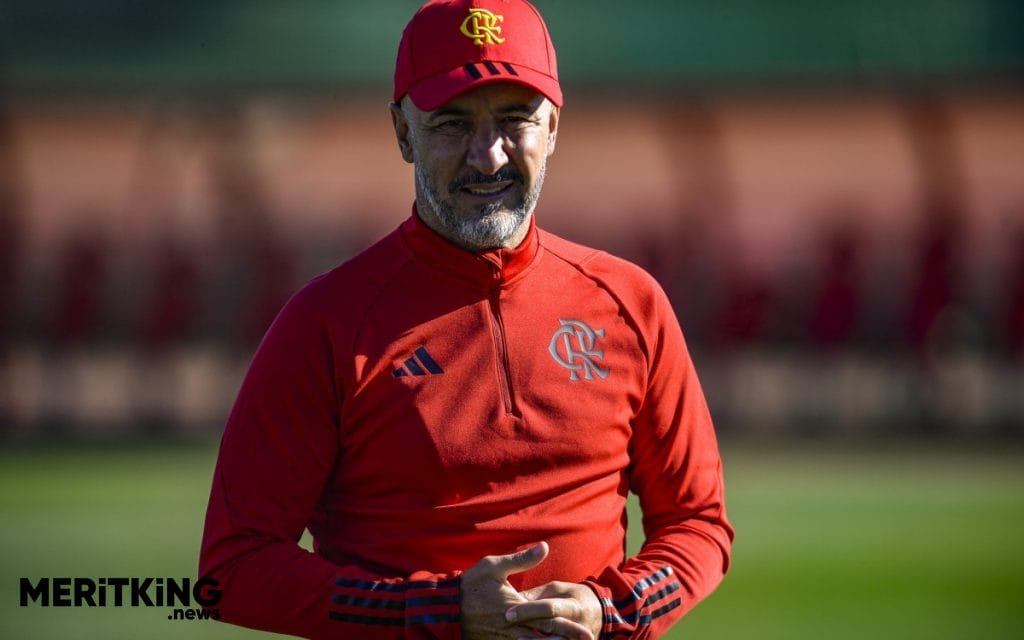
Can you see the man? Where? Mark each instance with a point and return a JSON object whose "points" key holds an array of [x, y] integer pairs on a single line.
{"points": [[458, 413]]}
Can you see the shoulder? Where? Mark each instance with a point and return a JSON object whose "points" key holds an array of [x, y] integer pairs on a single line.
{"points": [[625, 280], [333, 307], [357, 281]]}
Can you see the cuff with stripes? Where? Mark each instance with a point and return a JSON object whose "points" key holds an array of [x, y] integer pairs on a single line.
{"points": [[426, 608], [640, 603]]}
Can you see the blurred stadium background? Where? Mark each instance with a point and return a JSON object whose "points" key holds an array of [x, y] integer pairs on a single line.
{"points": [[831, 193]]}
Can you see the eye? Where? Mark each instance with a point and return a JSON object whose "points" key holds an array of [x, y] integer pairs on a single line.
{"points": [[453, 125], [515, 121]]}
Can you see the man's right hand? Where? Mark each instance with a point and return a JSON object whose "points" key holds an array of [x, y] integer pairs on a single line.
{"points": [[487, 595]]}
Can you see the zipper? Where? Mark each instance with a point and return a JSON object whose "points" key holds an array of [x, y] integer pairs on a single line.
{"points": [[501, 347]]}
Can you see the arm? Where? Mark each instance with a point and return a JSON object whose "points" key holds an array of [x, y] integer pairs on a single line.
{"points": [[277, 453], [676, 471]]}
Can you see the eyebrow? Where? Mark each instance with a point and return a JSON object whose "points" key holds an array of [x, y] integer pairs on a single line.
{"points": [[448, 111], [519, 108], [525, 107]]}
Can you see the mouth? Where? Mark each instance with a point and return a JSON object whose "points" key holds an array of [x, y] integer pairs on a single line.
{"points": [[488, 191]]}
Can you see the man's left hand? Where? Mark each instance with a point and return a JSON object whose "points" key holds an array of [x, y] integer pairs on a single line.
{"points": [[569, 600]]}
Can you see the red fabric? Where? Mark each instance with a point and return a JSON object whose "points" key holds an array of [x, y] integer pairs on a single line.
{"points": [[405, 480]]}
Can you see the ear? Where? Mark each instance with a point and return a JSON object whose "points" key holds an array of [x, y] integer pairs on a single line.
{"points": [[553, 128], [402, 133]]}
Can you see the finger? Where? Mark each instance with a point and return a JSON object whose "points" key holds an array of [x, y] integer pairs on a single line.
{"points": [[528, 612], [560, 627], [535, 593], [506, 565], [550, 590], [529, 633]]}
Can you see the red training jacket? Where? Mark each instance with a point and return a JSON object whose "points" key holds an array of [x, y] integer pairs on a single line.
{"points": [[422, 406]]}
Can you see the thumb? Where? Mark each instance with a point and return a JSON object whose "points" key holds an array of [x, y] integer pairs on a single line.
{"points": [[519, 561]]}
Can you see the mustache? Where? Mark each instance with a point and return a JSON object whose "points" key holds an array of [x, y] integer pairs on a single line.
{"points": [[505, 173]]}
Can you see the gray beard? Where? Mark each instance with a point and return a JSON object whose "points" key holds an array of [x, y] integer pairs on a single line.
{"points": [[492, 227]]}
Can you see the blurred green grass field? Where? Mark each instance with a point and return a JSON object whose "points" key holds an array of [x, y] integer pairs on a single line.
{"points": [[875, 540]]}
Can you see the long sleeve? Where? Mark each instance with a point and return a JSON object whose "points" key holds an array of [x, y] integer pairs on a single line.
{"points": [[676, 471], [278, 451]]}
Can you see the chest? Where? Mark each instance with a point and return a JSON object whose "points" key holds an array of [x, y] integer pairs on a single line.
{"points": [[463, 392]]}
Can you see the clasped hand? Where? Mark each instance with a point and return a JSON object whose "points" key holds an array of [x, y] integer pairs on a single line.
{"points": [[492, 608]]}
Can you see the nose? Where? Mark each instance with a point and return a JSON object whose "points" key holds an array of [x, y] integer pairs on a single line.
{"points": [[487, 150]]}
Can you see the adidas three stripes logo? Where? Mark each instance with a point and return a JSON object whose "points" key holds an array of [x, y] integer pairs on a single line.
{"points": [[420, 364], [473, 69]]}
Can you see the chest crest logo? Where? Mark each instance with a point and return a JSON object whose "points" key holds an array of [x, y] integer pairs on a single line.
{"points": [[574, 346], [481, 26]]}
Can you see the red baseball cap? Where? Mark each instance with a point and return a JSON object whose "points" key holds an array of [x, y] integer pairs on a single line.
{"points": [[452, 46]]}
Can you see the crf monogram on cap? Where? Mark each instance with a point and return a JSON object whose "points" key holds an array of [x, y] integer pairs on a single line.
{"points": [[482, 27], [573, 347]]}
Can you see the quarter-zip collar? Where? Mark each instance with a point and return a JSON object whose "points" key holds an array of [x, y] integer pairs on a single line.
{"points": [[485, 268]]}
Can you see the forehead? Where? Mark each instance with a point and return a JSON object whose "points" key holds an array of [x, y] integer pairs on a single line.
{"points": [[496, 96]]}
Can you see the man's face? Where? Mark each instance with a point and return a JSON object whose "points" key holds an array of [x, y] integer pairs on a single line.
{"points": [[480, 161]]}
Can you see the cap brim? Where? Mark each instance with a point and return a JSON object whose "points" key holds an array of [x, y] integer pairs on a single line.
{"points": [[432, 92]]}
